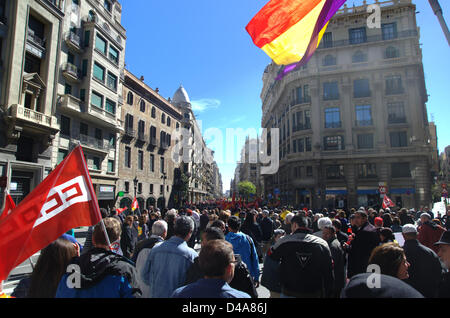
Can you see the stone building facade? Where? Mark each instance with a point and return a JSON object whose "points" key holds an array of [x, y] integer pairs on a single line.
{"points": [[355, 117]]}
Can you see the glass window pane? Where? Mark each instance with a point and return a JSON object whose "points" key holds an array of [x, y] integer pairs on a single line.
{"points": [[100, 44], [99, 72], [97, 100]]}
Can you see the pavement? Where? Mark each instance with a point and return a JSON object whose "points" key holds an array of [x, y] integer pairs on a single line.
{"points": [[26, 268]]}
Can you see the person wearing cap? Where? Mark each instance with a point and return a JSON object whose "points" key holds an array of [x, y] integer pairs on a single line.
{"points": [[429, 232], [444, 254], [425, 271]]}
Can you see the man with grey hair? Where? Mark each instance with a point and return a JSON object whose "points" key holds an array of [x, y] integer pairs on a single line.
{"points": [[429, 232], [159, 233], [267, 228], [167, 263], [321, 224]]}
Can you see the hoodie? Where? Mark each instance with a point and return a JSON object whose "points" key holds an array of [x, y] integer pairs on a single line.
{"points": [[244, 246], [104, 274]]}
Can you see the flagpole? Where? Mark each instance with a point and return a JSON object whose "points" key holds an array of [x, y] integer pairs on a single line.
{"points": [[106, 233]]}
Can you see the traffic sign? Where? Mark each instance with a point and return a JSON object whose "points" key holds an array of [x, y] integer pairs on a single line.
{"points": [[382, 189]]}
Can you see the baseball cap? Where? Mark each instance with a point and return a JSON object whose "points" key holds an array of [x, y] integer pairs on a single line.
{"points": [[427, 215], [409, 228]]}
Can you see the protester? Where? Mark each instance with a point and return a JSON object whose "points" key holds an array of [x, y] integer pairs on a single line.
{"points": [[396, 226], [48, 271], [143, 230], [321, 224], [425, 271], [170, 217], [391, 260], [386, 235], [242, 279], [88, 242], [341, 236], [287, 223], [244, 246], [104, 274], [365, 240], [429, 232], [271, 274], [444, 254], [267, 227], [305, 263], [167, 264], [217, 262], [128, 238], [338, 256], [252, 228]]}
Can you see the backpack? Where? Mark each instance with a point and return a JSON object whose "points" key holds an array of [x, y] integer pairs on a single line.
{"points": [[242, 279]]}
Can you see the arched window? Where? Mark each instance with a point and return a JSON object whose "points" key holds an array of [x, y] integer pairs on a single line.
{"points": [[143, 106], [130, 98], [359, 57], [153, 112], [329, 60], [391, 53]]}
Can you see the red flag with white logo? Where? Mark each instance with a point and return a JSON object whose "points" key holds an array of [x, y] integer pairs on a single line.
{"points": [[387, 202], [63, 201], [9, 206], [120, 211]]}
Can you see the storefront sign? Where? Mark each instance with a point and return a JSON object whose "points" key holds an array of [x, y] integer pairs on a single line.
{"points": [[106, 193]]}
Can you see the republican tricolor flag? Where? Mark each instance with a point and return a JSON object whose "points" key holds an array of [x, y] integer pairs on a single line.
{"points": [[63, 201], [289, 31]]}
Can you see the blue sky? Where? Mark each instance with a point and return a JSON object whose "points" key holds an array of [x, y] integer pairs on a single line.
{"points": [[203, 45]]}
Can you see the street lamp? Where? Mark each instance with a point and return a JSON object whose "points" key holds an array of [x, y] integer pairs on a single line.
{"points": [[164, 177], [438, 12], [135, 181]]}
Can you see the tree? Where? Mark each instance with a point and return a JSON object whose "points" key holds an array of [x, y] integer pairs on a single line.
{"points": [[246, 188]]}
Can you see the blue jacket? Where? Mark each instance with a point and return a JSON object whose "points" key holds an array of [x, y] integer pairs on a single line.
{"points": [[166, 267], [104, 274], [244, 246], [208, 288]]}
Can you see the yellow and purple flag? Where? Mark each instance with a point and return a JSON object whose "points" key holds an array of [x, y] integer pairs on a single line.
{"points": [[289, 31]]}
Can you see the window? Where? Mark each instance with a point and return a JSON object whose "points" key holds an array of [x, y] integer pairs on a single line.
{"points": [[400, 170], [130, 98], [361, 88], [98, 134], [151, 188], [96, 163], [68, 89], [100, 44], [168, 121], [396, 113], [357, 35], [391, 53], [332, 118], [394, 85], [84, 129], [162, 165], [365, 141], [140, 160], [70, 58], [129, 122], [112, 140], [398, 139], [141, 129], [163, 118], [327, 40], [139, 189], [142, 106], [301, 145], [153, 112], [329, 60], [111, 166], [335, 172], [389, 31], [302, 95], [330, 91], [363, 115], [368, 170], [87, 38], [112, 81], [127, 157], [62, 154], [65, 125], [97, 100], [153, 134], [113, 54], [152, 163], [308, 147], [161, 189], [309, 171], [359, 57], [110, 106], [99, 72], [334, 143], [107, 5]]}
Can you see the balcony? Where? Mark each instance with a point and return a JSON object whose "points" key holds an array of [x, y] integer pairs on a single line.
{"points": [[396, 120], [334, 124], [164, 145], [364, 123], [129, 132], [74, 42], [71, 73], [35, 45], [153, 141], [142, 137], [33, 117], [298, 101], [71, 103], [301, 127]]}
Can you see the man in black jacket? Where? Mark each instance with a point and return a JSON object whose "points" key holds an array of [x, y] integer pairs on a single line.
{"points": [[444, 255], [242, 279], [267, 229], [425, 271], [338, 255], [366, 239], [306, 265]]}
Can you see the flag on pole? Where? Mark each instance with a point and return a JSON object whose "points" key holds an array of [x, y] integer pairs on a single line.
{"points": [[387, 202], [289, 31], [134, 205], [120, 211], [64, 200], [9, 206]]}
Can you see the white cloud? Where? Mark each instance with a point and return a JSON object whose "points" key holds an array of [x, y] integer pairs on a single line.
{"points": [[204, 104]]}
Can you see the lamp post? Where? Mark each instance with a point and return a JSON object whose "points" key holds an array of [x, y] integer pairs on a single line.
{"points": [[164, 177], [438, 12]]}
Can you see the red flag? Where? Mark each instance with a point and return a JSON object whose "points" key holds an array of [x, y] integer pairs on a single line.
{"points": [[120, 211], [134, 205], [63, 201], [387, 202], [9, 206]]}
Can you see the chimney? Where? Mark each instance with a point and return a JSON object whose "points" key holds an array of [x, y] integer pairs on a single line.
{"points": [[142, 78], [157, 90]]}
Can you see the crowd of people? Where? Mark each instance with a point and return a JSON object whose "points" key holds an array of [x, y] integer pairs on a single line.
{"points": [[207, 252]]}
